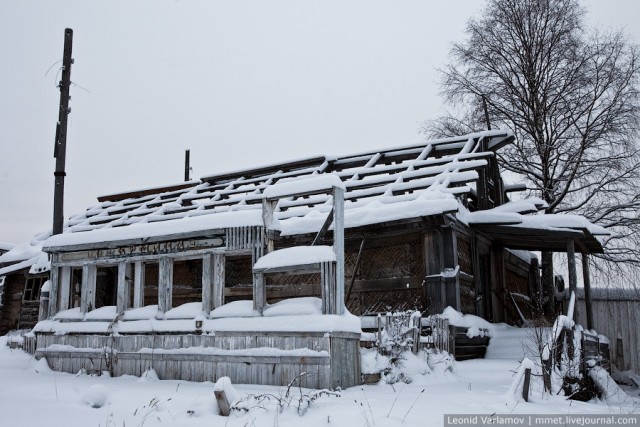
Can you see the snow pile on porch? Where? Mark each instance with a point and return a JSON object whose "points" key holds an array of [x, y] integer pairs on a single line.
{"points": [[292, 315], [476, 325], [297, 255]]}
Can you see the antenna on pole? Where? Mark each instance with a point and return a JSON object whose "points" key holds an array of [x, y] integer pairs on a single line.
{"points": [[187, 167], [60, 148]]}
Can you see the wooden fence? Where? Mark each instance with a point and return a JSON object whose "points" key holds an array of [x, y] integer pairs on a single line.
{"points": [[269, 358]]}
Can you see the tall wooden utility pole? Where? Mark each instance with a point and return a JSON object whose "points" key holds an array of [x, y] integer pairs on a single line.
{"points": [[60, 150]]}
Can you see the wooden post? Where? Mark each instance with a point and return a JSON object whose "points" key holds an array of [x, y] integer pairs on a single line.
{"points": [[527, 382], [122, 294], [218, 280], [165, 284], [586, 278], [223, 402], [328, 279], [417, 326], [88, 290], [259, 294], [138, 285], [338, 246], [379, 325], [207, 283], [573, 277], [432, 289], [548, 285], [268, 211], [356, 267], [64, 287], [53, 293], [43, 309], [60, 148], [498, 291]]}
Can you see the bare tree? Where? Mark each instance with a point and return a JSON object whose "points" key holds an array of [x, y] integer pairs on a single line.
{"points": [[570, 95]]}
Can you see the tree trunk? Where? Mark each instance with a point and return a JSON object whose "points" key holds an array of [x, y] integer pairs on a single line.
{"points": [[548, 286]]}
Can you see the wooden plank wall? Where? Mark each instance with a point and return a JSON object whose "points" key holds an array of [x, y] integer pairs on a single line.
{"points": [[339, 366], [619, 321]]}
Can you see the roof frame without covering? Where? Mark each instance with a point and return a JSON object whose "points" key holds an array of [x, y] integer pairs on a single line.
{"points": [[451, 165]]}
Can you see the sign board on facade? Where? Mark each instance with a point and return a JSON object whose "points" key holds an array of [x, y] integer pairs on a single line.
{"points": [[159, 248]]}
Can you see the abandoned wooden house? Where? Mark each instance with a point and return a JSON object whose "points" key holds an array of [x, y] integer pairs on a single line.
{"points": [[194, 279], [24, 269]]}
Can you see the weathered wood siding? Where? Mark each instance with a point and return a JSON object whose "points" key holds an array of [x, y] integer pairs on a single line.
{"points": [[337, 366], [15, 312], [516, 272], [619, 321], [389, 277], [12, 298], [467, 285]]}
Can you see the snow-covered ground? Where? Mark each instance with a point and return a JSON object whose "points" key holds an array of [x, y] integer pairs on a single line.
{"points": [[33, 395]]}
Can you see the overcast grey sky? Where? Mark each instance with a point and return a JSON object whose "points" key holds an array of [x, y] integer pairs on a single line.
{"points": [[240, 83]]}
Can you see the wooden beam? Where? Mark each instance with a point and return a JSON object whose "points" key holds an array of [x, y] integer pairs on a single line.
{"points": [[218, 279], [165, 285], [327, 280], [122, 293], [338, 246], [298, 164], [53, 298], [290, 269], [586, 278], [64, 288], [141, 193], [324, 229], [88, 288], [138, 284], [207, 283], [355, 268], [573, 276], [215, 235], [268, 211], [259, 292]]}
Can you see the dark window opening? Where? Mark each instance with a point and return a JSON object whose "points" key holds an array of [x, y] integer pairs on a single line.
{"points": [[75, 288], [32, 288], [187, 282], [238, 278], [151, 274], [106, 285]]}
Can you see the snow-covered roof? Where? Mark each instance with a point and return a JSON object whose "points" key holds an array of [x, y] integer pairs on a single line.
{"points": [[380, 186], [398, 183], [25, 251], [26, 255], [6, 246]]}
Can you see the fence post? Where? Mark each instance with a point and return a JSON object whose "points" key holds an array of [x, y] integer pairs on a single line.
{"points": [[527, 382], [417, 326]]}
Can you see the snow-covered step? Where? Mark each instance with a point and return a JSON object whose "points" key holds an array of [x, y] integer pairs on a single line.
{"points": [[508, 342]]}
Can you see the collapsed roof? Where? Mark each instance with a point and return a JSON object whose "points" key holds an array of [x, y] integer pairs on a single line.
{"points": [[431, 178]]}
